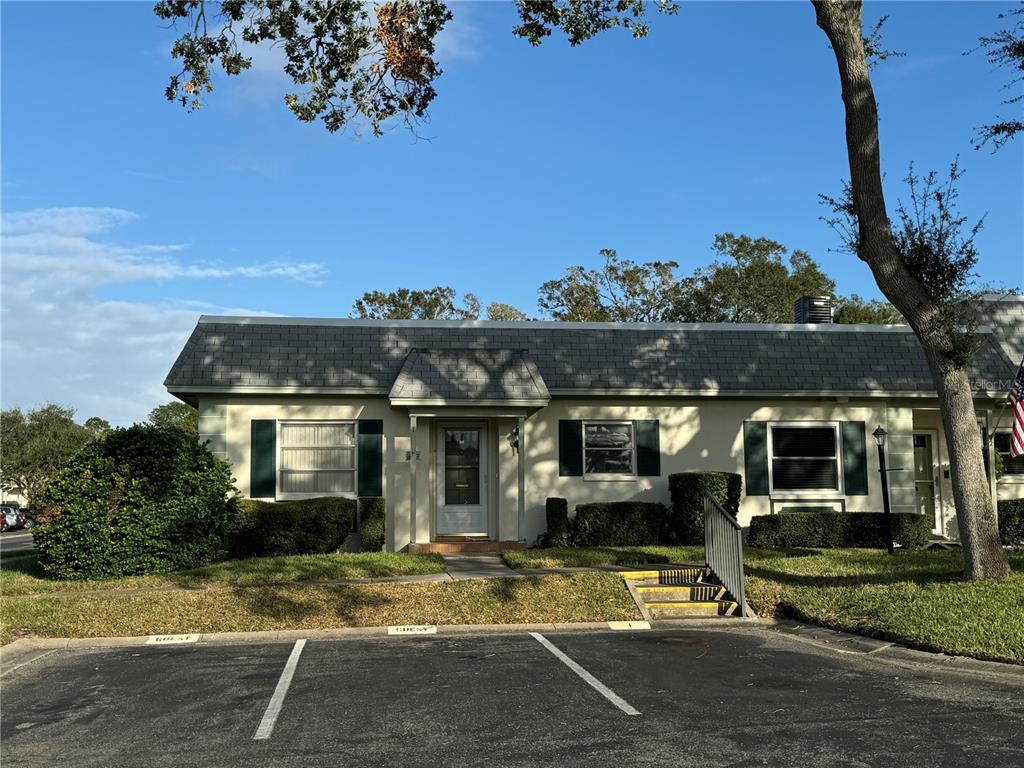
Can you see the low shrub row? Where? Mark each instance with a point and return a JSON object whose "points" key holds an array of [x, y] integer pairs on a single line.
{"points": [[832, 530], [306, 527], [640, 523], [1011, 522], [371, 523]]}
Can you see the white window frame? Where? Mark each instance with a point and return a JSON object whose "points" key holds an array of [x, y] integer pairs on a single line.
{"points": [[794, 492], [279, 469], [1007, 477], [612, 476]]}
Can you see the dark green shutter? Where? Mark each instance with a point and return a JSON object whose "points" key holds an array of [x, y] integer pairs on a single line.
{"points": [[570, 448], [855, 458], [263, 459], [755, 457], [648, 448], [371, 457]]}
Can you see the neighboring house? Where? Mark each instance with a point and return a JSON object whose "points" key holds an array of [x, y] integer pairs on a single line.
{"points": [[428, 414]]}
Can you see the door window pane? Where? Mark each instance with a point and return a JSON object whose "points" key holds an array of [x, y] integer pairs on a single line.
{"points": [[461, 467]]}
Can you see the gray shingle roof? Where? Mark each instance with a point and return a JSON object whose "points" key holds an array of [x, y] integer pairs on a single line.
{"points": [[367, 356], [471, 375]]}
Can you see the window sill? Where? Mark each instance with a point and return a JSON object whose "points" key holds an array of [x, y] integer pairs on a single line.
{"points": [[609, 478], [798, 495], [302, 496]]}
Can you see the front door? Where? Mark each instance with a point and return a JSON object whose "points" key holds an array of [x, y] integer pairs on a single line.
{"points": [[926, 478], [462, 480]]}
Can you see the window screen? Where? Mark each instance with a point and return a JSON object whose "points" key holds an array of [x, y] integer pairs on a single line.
{"points": [[1011, 466]]}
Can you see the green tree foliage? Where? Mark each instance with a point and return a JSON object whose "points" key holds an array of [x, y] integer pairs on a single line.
{"points": [[177, 415], [498, 311], [752, 282], [138, 500], [351, 60], [97, 427], [35, 445], [407, 304], [854, 309], [621, 291], [1006, 49]]}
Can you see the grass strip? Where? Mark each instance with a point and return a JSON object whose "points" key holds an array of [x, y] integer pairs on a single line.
{"points": [[23, 576], [540, 599]]}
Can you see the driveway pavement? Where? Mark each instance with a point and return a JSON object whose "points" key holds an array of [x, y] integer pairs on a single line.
{"points": [[704, 697]]}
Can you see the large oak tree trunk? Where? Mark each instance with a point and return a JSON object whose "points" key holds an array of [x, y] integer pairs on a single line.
{"points": [[841, 20]]}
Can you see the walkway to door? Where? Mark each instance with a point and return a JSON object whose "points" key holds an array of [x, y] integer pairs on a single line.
{"points": [[464, 566]]}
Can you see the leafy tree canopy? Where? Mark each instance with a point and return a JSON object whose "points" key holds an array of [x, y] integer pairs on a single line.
{"points": [[854, 309], [621, 291], [177, 415], [36, 445], [753, 282], [498, 311], [1005, 48], [437, 303]]}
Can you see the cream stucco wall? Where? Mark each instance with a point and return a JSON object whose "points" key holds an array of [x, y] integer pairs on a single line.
{"points": [[695, 434]]}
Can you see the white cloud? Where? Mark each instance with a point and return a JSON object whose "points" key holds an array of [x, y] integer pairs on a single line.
{"points": [[63, 343]]}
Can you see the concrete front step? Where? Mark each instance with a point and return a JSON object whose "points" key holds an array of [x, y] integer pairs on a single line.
{"points": [[676, 609], [693, 591], [456, 546], [673, 575]]}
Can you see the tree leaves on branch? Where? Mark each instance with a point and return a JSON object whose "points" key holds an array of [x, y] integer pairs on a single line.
{"points": [[1005, 49], [437, 303], [583, 19], [353, 60]]}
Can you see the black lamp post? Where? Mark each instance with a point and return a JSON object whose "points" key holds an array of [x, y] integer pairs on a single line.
{"points": [[880, 434]]}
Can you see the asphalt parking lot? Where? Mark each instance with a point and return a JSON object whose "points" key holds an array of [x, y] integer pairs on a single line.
{"points": [[16, 541], [711, 697]]}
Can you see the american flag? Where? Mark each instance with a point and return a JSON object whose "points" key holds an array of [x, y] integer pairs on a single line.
{"points": [[1017, 399]]}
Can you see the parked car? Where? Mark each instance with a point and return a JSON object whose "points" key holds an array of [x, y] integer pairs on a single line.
{"points": [[12, 518]]}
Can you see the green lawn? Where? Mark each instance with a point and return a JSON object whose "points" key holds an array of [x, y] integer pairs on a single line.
{"points": [[23, 576], [916, 598], [540, 599], [571, 557]]}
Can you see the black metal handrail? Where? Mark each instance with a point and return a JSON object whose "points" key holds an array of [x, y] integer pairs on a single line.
{"points": [[723, 550]]}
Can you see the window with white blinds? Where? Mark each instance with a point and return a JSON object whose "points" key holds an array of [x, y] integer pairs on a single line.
{"points": [[317, 458]]}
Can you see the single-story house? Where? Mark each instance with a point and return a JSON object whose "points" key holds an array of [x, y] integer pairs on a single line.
{"points": [[467, 427]]}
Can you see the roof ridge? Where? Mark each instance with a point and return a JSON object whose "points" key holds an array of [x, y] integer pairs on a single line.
{"points": [[552, 325]]}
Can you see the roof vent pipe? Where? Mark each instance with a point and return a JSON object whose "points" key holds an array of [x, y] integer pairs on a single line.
{"points": [[813, 309]]}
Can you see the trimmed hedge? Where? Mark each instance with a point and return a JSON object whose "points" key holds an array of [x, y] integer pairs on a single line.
{"points": [[1011, 522], [140, 500], [306, 527], [687, 493], [558, 533], [833, 530], [371, 523], [620, 524]]}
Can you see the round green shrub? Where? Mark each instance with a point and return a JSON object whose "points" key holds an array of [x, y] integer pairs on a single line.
{"points": [[139, 500], [830, 530], [687, 490]]}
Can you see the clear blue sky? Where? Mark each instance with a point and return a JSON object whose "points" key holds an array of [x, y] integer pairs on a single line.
{"points": [[726, 118]]}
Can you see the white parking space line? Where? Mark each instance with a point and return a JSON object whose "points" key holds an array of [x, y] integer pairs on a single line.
{"points": [[277, 700], [588, 678]]}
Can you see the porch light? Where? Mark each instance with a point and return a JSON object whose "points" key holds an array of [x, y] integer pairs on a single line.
{"points": [[513, 439], [880, 435]]}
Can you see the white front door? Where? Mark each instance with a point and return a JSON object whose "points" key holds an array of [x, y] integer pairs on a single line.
{"points": [[462, 480]]}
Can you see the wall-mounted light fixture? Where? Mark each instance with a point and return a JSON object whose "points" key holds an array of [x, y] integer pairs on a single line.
{"points": [[513, 439]]}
